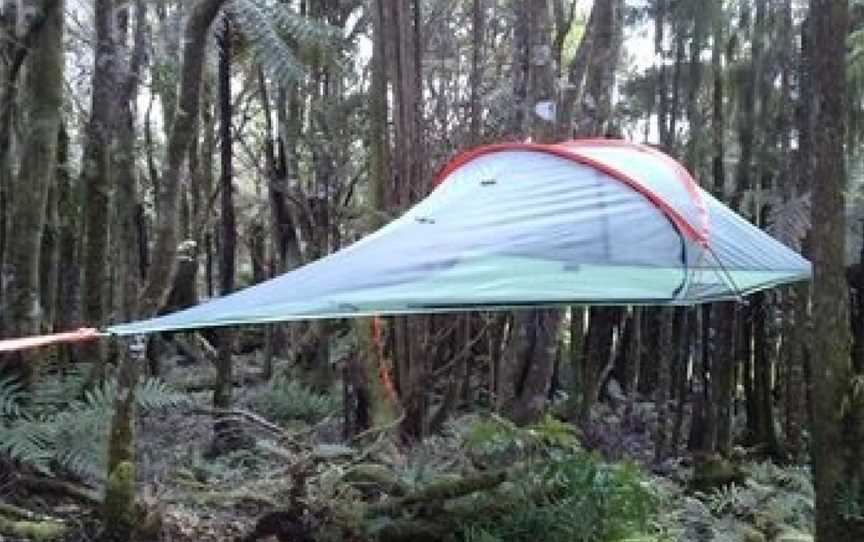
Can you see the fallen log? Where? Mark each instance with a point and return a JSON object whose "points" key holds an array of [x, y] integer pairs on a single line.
{"points": [[69, 489], [437, 492]]}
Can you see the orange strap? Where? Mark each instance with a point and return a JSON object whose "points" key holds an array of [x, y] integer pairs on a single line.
{"points": [[385, 372], [24, 343]]}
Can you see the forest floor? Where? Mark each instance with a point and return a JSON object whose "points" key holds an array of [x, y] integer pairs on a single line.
{"points": [[294, 479]]}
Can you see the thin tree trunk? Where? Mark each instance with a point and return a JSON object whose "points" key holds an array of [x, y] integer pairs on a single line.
{"points": [[664, 383], [477, 34], [96, 163], [224, 432], [684, 328], [601, 328]]}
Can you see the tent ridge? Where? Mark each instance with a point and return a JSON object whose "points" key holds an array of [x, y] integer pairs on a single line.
{"points": [[566, 150]]}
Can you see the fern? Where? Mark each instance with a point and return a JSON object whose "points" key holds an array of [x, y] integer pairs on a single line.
{"points": [[283, 399], [271, 27], [26, 442], [53, 392], [789, 220], [11, 396], [61, 429]]}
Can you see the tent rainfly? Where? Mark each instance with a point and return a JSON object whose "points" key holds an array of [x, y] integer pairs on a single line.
{"points": [[599, 222]]}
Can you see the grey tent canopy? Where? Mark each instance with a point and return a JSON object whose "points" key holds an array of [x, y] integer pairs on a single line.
{"points": [[513, 225]]}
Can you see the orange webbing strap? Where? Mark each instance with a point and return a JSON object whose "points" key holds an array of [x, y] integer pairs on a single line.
{"points": [[385, 372], [25, 343]]}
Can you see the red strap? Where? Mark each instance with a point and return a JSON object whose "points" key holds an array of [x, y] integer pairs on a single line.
{"points": [[24, 343]]}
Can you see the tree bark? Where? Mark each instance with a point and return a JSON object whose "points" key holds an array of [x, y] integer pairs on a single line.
{"points": [[225, 433], [837, 406], [664, 383], [529, 361], [162, 270], [44, 88], [96, 164]]}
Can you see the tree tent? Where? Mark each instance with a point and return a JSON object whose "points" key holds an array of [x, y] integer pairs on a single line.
{"points": [[511, 225]]}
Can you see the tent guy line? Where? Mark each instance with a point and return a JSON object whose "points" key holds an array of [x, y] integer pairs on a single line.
{"points": [[518, 225]]}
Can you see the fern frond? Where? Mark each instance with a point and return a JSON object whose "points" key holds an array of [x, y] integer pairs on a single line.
{"points": [[57, 387], [268, 47], [153, 394], [275, 33], [304, 30], [26, 441], [75, 438], [11, 396], [789, 221]]}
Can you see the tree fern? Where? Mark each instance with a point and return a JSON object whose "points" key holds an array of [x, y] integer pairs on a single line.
{"points": [[271, 28]]}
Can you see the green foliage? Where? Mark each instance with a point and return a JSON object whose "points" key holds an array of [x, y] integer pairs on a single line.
{"points": [[59, 427], [724, 500], [574, 498], [284, 399], [557, 489], [497, 440], [275, 33], [11, 397]]}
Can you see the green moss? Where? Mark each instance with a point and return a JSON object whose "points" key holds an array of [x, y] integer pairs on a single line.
{"points": [[32, 530], [118, 508]]}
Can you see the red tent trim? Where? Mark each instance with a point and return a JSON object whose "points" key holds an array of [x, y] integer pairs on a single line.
{"points": [[569, 151]]}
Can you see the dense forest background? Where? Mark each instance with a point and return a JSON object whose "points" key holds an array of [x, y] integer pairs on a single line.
{"points": [[157, 153]]}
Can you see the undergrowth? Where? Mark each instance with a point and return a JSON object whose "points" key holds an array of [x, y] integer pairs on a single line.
{"points": [[573, 498], [284, 399], [558, 491], [60, 426]]}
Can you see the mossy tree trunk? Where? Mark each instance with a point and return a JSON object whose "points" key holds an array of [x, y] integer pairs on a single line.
{"points": [[382, 405], [43, 86], [118, 511], [837, 398], [95, 174]]}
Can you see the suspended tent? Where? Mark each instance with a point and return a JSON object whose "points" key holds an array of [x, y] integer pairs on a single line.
{"points": [[600, 222]]}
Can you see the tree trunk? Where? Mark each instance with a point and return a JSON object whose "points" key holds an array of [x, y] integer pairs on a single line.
{"points": [[95, 174], [119, 514], [723, 375], [477, 34], [44, 89], [528, 364], [662, 91], [664, 382], [763, 361], [119, 499], [837, 406], [225, 433], [601, 327], [162, 270]]}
